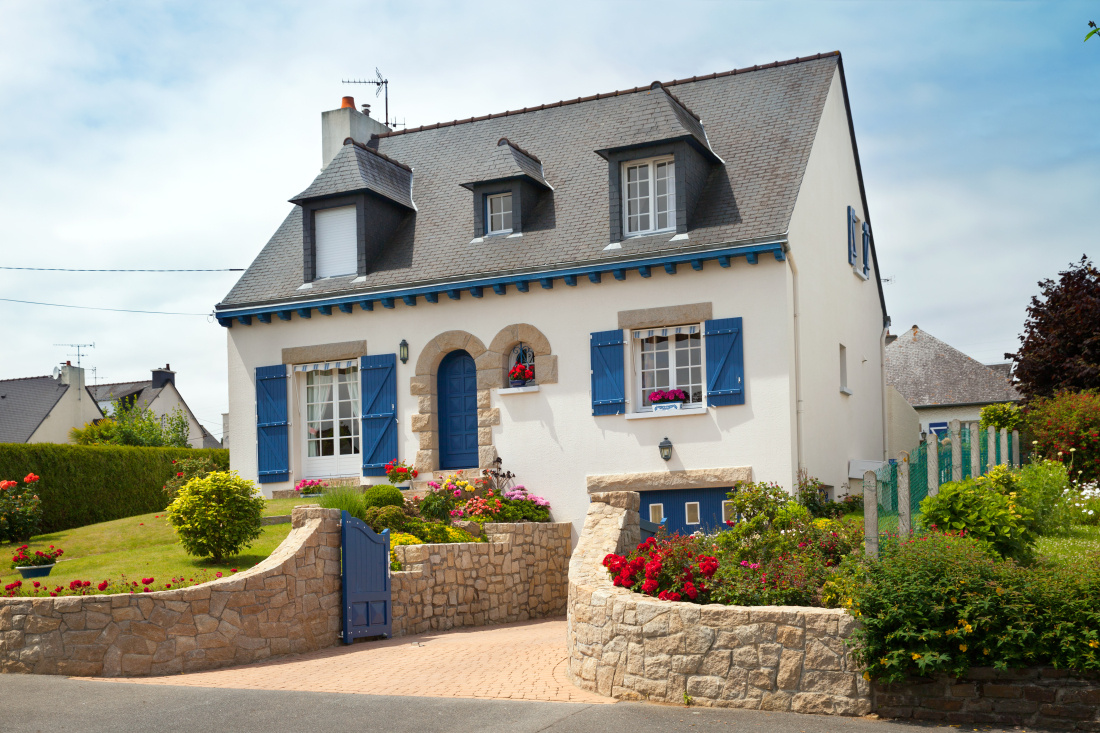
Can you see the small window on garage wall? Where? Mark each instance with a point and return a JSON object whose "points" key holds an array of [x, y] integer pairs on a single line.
{"points": [[336, 242], [656, 513], [691, 512]]}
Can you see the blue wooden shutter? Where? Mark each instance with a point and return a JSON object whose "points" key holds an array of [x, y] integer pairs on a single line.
{"points": [[378, 442], [725, 362], [866, 250], [851, 236], [608, 383], [272, 447]]}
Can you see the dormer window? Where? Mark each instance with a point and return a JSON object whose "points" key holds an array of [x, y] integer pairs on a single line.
{"points": [[649, 192], [499, 214], [337, 246]]}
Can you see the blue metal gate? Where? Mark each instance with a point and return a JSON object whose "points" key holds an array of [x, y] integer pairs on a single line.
{"points": [[365, 579]]}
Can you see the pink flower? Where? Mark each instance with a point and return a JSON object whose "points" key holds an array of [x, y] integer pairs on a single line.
{"points": [[218, 574]]}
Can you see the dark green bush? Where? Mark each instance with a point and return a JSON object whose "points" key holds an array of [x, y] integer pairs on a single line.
{"points": [[942, 603], [84, 485], [187, 469], [388, 517], [975, 507], [383, 495]]}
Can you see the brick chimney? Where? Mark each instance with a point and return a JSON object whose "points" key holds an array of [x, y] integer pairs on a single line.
{"points": [[163, 376], [339, 124]]}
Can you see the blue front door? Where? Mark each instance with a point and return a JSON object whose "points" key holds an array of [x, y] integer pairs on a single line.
{"points": [[457, 393]]}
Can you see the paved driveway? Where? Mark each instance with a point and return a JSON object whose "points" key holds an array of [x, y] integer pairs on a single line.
{"points": [[521, 661]]}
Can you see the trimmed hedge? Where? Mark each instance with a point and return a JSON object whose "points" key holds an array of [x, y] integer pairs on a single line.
{"points": [[89, 484]]}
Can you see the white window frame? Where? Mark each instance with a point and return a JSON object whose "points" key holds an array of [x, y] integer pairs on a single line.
{"points": [[338, 464], [728, 514], [489, 230], [661, 509], [651, 200], [687, 515], [858, 261], [844, 389], [636, 362]]}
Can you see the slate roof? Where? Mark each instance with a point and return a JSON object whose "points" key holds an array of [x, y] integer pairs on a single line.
{"points": [[358, 168], [761, 122], [142, 392], [24, 404], [927, 372], [510, 161]]}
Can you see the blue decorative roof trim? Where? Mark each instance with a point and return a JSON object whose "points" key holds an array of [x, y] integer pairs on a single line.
{"points": [[522, 281]]}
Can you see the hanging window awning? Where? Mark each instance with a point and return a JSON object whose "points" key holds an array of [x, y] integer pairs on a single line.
{"points": [[646, 333], [324, 366]]}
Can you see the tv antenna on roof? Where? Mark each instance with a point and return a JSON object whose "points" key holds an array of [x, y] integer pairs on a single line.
{"points": [[380, 84], [78, 347]]}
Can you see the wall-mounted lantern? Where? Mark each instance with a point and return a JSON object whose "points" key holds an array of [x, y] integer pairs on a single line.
{"points": [[665, 446], [403, 351]]}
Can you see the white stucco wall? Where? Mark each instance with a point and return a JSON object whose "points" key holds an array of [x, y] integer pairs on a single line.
{"points": [[75, 408], [835, 307], [947, 413], [550, 438], [902, 424]]}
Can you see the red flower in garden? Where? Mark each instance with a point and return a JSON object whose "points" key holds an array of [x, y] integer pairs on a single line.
{"points": [[30, 478], [103, 586], [146, 581], [180, 473]]}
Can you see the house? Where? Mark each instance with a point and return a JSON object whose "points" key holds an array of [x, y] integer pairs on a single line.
{"points": [[942, 383], [708, 234], [44, 409], [160, 396]]}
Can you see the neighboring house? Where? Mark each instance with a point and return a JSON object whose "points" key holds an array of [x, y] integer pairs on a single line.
{"points": [[709, 234], [44, 409], [942, 383], [161, 396]]}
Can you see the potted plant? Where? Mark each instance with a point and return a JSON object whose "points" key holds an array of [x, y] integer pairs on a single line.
{"points": [[37, 565], [520, 374], [399, 473], [310, 487], [666, 400]]}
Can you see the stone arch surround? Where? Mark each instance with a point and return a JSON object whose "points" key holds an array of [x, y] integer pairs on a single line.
{"points": [[423, 386], [546, 364]]}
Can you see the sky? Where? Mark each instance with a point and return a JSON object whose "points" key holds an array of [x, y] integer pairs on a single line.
{"points": [[171, 134]]}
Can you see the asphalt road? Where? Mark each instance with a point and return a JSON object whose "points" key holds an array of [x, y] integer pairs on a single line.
{"points": [[46, 704]]}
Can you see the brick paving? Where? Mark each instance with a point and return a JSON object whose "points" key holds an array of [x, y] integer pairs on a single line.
{"points": [[519, 661]]}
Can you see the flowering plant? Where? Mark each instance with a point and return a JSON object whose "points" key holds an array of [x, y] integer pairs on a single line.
{"points": [[521, 372], [20, 509], [24, 559], [121, 584], [398, 473], [658, 396], [310, 486]]}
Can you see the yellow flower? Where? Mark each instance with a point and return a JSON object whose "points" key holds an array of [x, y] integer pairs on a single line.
{"points": [[1000, 591], [949, 632], [968, 628], [915, 656], [884, 661], [867, 676], [954, 599], [962, 647], [1094, 643], [985, 652]]}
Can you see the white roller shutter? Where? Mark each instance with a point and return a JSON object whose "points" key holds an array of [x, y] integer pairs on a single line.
{"points": [[336, 253]]}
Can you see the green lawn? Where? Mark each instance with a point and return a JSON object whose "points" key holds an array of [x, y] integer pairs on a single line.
{"points": [[141, 546], [284, 506], [1081, 540]]}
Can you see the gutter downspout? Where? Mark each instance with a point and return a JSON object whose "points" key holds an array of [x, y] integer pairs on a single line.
{"points": [[797, 361], [885, 396]]}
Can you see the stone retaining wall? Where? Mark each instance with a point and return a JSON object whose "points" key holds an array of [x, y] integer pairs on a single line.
{"points": [[289, 603], [630, 646], [519, 574], [1043, 698]]}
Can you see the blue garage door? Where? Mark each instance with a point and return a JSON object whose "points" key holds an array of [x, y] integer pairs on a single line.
{"points": [[676, 511], [457, 394]]}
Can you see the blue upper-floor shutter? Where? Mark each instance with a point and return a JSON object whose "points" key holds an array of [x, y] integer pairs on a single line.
{"points": [[272, 440], [608, 382], [866, 250], [725, 362], [852, 235], [378, 374]]}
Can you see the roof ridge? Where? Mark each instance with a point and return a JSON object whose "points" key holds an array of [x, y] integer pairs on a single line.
{"points": [[664, 88], [23, 379], [604, 95], [380, 154]]}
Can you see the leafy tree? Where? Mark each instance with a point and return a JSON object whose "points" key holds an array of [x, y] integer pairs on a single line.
{"points": [[1060, 346], [217, 515], [132, 424]]}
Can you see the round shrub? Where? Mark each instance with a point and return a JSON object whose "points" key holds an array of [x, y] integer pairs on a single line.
{"points": [[383, 495], [1001, 521], [387, 517], [217, 515]]}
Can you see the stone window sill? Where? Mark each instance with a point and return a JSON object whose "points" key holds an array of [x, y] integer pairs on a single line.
{"points": [[670, 413], [518, 390]]}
